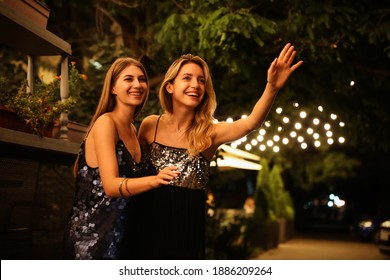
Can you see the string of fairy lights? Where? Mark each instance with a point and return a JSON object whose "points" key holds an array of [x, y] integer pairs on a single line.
{"points": [[296, 127]]}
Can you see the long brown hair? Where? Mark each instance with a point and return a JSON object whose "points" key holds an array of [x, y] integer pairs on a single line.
{"points": [[199, 134], [107, 101]]}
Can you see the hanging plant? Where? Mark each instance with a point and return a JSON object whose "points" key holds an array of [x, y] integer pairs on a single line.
{"points": [[41, 108]]}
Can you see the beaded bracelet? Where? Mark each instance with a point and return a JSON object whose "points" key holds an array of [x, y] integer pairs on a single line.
{"points": [[120, 187]]}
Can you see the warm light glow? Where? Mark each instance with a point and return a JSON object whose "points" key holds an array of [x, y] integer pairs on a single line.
{"points": [[262, 131], [293, 134], [339, 203], [234, 162], [352, 83], [270, 135]]}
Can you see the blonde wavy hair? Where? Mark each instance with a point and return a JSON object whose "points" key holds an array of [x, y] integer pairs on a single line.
{"points": [[107, 101], [199, 133]]}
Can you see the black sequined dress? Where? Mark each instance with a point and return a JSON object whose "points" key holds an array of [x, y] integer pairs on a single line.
{"points": [[96, 225], [172, 223]]}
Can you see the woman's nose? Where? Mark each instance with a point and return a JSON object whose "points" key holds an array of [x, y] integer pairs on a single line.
{"points": [[136, 83], [194, 83]]}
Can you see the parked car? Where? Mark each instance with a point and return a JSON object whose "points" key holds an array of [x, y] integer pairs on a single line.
{"points": [[384, 237], [366, 229]]}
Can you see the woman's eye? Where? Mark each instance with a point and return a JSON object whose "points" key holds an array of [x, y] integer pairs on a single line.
{"points": [[202, 81]]}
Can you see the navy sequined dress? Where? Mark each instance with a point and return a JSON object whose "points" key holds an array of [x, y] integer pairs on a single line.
{"points": [[96, 226], [172, 223]]}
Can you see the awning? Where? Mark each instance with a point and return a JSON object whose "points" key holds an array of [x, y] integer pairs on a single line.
{"points": [[236, 158]]}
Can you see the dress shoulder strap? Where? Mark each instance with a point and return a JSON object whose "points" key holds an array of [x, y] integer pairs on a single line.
{"points": [[155, 132]]}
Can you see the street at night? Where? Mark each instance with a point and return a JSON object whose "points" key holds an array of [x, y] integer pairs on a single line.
{"points": [[324, 247]]}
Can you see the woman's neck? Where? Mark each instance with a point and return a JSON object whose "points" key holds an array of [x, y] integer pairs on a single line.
{"points": [[178, 123]]}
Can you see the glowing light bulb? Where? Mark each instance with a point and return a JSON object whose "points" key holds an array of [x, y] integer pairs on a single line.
{"points": [[262, 131], [298, 126]]}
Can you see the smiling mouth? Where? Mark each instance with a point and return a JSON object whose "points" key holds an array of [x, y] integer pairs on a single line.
{"points": [[136, 93], [192, 94]]}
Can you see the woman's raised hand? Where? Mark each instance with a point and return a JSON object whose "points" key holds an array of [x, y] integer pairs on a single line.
{"points": [[281, 69]]}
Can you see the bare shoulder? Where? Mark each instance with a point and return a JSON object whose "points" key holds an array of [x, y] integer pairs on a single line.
{"points": [[149, 122], [103, 122], [147, 127]]}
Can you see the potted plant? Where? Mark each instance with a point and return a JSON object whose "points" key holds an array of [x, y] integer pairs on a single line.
{"points": [[38, 110]]}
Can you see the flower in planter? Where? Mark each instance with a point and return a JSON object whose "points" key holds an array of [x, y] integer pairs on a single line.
{"points": [[41, 108]]}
